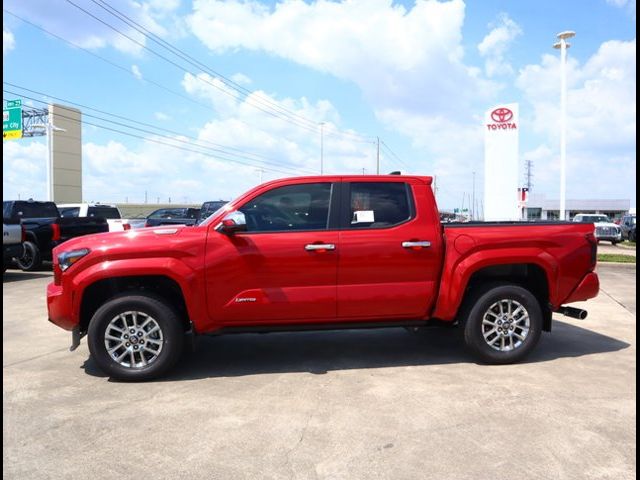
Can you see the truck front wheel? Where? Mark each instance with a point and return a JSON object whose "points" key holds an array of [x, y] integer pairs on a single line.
{"points": [[503, 324], [135, 337], [31, 259]]}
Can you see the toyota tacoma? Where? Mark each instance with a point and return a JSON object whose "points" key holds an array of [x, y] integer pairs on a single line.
{"points": [[319, 253]]}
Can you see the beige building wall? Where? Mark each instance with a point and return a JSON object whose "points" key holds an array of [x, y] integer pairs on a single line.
{"points": [[66, 154]]}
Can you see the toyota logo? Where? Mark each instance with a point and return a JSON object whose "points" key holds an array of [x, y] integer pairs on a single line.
{"points": [[501, 115]]}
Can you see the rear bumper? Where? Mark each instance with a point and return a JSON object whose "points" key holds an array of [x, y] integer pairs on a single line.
{"points": [[60, 307], [588, 288]]}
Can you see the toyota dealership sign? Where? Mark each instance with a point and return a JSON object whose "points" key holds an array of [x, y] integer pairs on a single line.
{"points": [[501, 163]]}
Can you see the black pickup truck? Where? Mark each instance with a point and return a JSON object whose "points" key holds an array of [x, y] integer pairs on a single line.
{"points": [[183, 216], [45, 229]]}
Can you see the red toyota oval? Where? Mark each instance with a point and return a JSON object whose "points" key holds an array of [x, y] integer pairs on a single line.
{"points": [[501, 115]]}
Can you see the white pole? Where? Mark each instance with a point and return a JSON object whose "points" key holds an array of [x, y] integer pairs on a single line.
{"points": [[50, 158], [322, 148], [563, 127]]}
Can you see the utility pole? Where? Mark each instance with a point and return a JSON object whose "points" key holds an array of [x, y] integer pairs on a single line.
{"points": [[126, 199], [158, 200], [435, 186], [260, 171], [145, 196], [321, 148], [363, 170], [378, 157], [473, 201], [528, 174], [462, 207]]}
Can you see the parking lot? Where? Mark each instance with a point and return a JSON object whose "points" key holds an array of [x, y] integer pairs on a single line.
{"points": [[381, 403]]}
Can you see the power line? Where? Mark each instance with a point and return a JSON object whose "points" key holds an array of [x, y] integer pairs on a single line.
{"points": [[218, 155], [198, 64], [391, 152], [219, 147], [239, 92]]}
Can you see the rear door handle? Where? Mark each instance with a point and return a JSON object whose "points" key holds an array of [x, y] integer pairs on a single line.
{"points": [[416, 245], [321, 247]]}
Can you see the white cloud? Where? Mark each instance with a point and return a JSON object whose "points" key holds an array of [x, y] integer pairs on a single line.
{"points": [[601, 127], [162, 116], [23, 169], [72, 24], [241, 79], [8, 41], [629, 5], [495, 44], [136, 72], [408, 62]]}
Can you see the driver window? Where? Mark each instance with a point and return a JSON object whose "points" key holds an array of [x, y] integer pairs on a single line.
{"points": [[294, 207]]}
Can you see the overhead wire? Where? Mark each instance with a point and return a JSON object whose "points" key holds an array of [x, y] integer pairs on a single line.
{"points": [[219, 146], [220, 155]]}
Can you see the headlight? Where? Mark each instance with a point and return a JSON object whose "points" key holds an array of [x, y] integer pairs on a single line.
{"points": [[66, 259]]}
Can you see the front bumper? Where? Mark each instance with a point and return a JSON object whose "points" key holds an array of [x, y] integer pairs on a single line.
{"points": [[60, 307], [586, 289]]}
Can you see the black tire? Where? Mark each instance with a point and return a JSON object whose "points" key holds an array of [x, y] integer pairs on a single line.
{"points": [[165, 317], [31, 259], [478, 305]]}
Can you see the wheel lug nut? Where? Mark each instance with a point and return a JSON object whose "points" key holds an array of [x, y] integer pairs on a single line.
{"points": [[132, 331], [127, 344], [126, 336], [139, 334], [135, 347]]}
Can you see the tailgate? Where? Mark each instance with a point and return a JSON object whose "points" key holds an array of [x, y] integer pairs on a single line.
{"points": [[76, 227]]}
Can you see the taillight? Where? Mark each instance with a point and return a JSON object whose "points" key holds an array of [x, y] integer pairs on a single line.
{"points": [[593, 241], [55, 232], [23, 237], [126, 227]]}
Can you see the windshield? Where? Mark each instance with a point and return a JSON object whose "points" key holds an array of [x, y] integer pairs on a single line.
{"points": [[69, 212], [169, 213], [35, 210], [209, 208], [592, 219]]}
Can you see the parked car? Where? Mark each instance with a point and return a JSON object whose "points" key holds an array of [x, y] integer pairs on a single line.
{"points": [[209, 208], [605, 229], [45, 229], [172, 216], [627, 222], [108, 212], [319, 253], [13, 235]]}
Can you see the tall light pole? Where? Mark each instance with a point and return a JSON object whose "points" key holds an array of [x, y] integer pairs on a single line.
{"points": [[562, 45], [322, 148]]}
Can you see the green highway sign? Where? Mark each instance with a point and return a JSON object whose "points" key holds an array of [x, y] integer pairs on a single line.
{"points": [[12, 120]]}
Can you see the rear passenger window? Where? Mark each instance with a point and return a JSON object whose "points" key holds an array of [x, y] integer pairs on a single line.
{"points": [[378, 205]]}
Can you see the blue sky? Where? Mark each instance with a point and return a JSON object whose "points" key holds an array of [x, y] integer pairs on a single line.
{"points": [[417, 74]]}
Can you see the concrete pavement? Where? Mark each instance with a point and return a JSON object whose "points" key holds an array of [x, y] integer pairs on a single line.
{"points": [[381, 404]]}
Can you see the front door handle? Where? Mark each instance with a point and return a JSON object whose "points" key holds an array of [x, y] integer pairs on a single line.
{"points": [[319, 247], [416, 245]]}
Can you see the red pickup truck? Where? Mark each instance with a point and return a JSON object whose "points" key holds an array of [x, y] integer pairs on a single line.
{"points": [[319, 253]]}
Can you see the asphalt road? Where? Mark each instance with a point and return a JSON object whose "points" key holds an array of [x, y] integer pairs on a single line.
{"points": [[376, 404]]}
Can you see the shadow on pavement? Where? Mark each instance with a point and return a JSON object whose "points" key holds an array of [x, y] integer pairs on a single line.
{"points": [[320, 352], [18, 276]]}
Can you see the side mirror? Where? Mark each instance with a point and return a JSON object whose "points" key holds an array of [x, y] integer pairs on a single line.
{"points": [[232, 222]]}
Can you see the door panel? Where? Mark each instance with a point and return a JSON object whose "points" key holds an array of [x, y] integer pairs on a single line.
{"points": [[284, 268], [378, 277], [271, 277]]}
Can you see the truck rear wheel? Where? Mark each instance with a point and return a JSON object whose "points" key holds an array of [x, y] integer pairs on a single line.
{"points": [[31, 260], [503, 324], [135, 337]]}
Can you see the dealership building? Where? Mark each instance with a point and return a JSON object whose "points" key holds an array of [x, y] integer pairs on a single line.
{"points": [[539, 207]]}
